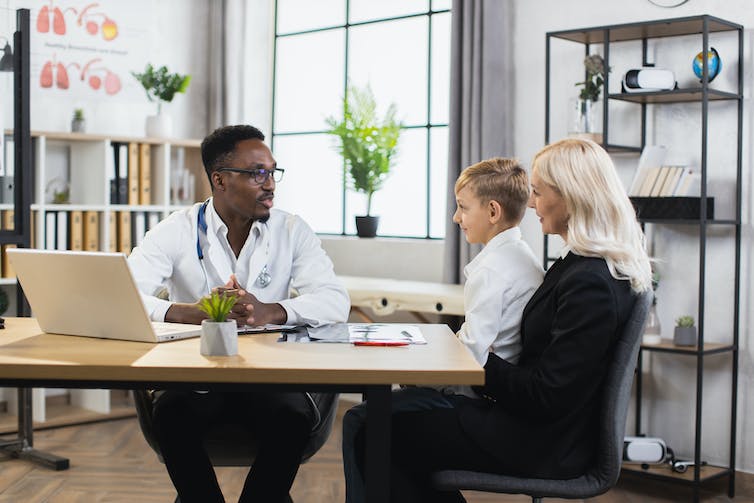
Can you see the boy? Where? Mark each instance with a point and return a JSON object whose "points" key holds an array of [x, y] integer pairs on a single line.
{"points": [[491, 198]]}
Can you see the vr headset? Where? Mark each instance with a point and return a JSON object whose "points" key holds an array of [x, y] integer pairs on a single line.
{"points": [[647, 450]]}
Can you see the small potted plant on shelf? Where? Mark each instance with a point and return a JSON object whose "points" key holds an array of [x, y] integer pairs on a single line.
{"points": [[219, 335], [685, 331], [161, 86], [78, 123], [585, 116], [368, 145]]}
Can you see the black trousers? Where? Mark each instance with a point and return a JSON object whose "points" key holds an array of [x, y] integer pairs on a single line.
{"points": [[280, 421], [423, 442]]}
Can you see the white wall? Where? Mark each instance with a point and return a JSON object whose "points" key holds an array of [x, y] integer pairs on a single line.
{"points": [[177, 35], [670, 387]]}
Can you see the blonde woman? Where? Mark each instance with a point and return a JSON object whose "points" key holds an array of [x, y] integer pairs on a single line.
{"points": [[539, 418]]}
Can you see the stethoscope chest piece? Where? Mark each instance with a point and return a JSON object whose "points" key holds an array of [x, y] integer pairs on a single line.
{"points": [[264, 277]]}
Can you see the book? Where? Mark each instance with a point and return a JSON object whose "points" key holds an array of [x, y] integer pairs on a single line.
{"points": [[61, 231], [145, 174], [5, 265], [7, 221], [119, 181], [139, 227], [76, 228], [133, 173], [124, 232], [112, 232], [671, 181], [649, 181], [689, 184], [652, 156], [153, 218], [51, 221], [91, 231], [662, 174]]}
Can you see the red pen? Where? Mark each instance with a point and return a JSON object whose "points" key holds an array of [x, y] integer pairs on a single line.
{"points": [[377, 343]]}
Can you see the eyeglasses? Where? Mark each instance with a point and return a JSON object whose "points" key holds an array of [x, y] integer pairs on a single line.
{"points": [[260, 174]]}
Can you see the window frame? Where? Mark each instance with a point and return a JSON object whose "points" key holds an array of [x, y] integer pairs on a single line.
{"points": [[427, 125]]}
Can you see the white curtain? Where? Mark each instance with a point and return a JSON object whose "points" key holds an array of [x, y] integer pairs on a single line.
{"points": [[481, 104], [240, 63]]}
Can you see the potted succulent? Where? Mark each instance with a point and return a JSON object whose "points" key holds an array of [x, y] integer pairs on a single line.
{"points": [[161, 86], [685, 331], [78, 123], [219, 335], [368, 145]]}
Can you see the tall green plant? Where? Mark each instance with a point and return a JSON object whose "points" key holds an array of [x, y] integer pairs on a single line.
{"points": [[367, 143], [161, 85]]}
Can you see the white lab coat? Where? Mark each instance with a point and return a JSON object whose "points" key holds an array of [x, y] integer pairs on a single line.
{"points": [[499, 282], [168, 258]]}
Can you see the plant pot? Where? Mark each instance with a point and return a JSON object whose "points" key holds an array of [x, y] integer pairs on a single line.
{"points": [[366, 226], [684, 336], [219, 338], [159, 126], [586, 120], [78, 125]]}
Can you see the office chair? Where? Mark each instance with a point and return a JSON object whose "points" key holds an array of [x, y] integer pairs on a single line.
{"points": [[229, 444], [603, 475]]}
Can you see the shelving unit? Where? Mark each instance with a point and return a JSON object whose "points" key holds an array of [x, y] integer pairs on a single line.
{"points": [[85, 163], [605, 38]]}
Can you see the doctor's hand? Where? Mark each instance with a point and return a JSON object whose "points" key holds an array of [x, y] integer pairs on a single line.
{"points": [[185, 313], [251, 311]]}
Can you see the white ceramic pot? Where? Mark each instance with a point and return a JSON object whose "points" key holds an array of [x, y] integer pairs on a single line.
{"points": [[159, 126], [219, 338]]}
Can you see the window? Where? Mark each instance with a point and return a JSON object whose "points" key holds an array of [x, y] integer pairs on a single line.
{"points": [[401, 48]]}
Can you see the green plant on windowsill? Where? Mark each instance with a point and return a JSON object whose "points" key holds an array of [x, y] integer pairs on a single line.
{"points": [[684, 321], [367, 142], [217, 306]]}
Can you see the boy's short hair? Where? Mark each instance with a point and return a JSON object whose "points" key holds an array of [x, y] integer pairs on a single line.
{"points": [[498, 179]]}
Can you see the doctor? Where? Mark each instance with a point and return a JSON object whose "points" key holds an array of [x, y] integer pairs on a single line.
{"points": [[236, 240]]}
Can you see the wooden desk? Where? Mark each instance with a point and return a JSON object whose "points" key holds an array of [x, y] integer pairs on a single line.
{"points": [[30, 358], [385, 296]]}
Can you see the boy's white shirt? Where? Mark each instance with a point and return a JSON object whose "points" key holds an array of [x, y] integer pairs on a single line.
{"points": [[500, 280]]}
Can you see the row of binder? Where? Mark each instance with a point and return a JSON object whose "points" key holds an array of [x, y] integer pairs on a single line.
{"points": [[81, 230], [130, 181], [666, 181]]}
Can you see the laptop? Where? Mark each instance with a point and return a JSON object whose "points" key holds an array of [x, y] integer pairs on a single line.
{"points": [[90, 294]]}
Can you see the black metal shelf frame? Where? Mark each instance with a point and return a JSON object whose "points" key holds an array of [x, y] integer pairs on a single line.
{"points": [[694, 25], [20, 235]]}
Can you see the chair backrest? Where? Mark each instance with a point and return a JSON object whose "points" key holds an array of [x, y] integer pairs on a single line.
{"points": [[617, 393], [230, 444], [603, 474]]}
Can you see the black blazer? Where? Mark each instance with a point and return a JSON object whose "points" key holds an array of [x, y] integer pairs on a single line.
{"points": [[541, 419]]}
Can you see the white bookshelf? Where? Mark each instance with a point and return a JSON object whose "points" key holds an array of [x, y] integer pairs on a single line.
{"points": [[86, 164]]}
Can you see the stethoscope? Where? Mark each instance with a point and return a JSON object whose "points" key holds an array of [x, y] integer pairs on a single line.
{"points": [[264, 278]]}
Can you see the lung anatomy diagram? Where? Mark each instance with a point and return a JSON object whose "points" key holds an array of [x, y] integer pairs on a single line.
{"points": [[94, 21], [78, 24], [55, 73]]}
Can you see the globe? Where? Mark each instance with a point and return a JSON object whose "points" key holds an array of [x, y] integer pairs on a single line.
{"points": [[714, 65]]}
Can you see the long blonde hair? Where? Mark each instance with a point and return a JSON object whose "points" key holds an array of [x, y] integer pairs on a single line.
{"points": [[601, 219]]}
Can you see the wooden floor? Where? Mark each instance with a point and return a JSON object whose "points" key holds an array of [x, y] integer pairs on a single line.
{"points": [[111, 462]]}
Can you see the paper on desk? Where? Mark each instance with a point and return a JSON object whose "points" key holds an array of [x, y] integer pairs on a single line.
{"points": [[385, 332]]}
